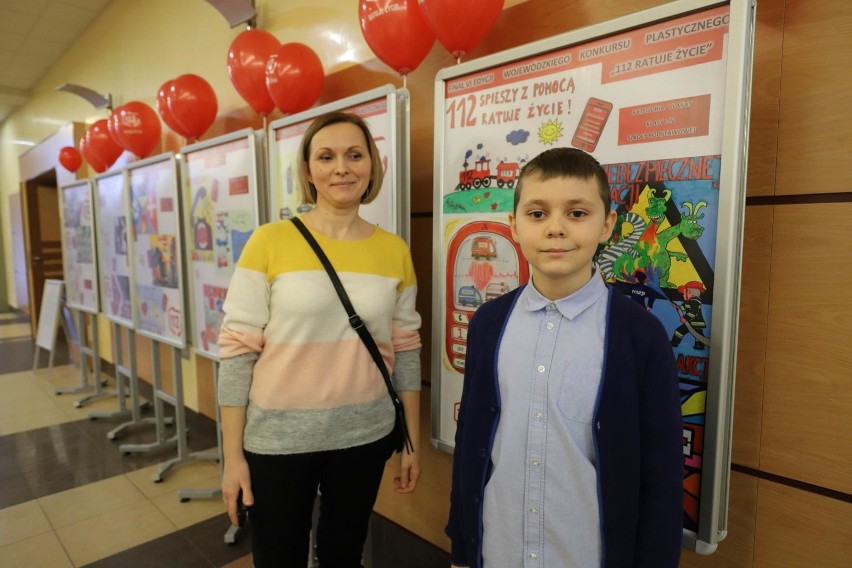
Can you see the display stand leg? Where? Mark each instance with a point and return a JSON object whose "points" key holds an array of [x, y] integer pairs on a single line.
{"points": [[159, 417], [188, 494], [94, 353], [183, 456], [128, 373], [84, 351]]}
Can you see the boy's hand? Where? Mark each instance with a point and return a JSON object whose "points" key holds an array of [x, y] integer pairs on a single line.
{"points": [[409, 472]]}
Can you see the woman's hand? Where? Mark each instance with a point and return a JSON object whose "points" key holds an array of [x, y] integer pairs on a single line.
{"points": [[409, 472], [235, 478]]}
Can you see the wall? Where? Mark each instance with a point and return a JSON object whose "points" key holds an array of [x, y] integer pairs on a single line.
{"points": [[791, 488]]}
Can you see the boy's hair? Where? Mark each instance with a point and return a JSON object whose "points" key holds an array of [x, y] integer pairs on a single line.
{"points": [[308, 190], [565, 162]]}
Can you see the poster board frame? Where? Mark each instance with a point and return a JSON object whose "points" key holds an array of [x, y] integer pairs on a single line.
{"points": [[174, 315], [76, 276], [394, 197], [732, 159], [106, 272], [251, 189]]}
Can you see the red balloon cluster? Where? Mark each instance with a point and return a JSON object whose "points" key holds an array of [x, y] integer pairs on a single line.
{"points": [[188, 105], [461, 26], [70, 158], [397, 32], [267, 74]]}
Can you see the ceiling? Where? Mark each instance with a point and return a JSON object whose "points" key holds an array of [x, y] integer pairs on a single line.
{"points": [[34, 34]]}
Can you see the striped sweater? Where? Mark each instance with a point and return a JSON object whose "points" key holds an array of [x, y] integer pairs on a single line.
{"points": [[289, 353]]}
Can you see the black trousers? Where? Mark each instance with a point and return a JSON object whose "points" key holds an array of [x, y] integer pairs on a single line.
{"points": [[284, 488]]}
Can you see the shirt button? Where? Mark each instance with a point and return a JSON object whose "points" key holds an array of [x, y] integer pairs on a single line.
{"points": [[535, 463], [533, 555], [533, 511], [552, 305], [541, 368], [549, 326], [538, 415]]}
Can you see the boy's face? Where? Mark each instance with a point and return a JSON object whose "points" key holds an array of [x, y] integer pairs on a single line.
{"points": [[559, 224]]}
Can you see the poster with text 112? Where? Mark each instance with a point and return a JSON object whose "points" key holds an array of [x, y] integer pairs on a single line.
{"points": [[648, 104]]}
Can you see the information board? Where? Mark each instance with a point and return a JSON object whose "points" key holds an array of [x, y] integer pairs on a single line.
{"points": [[113, 260], [660, 98], [48, 318], [386, 112], [78, 246], [155, 245], [219, 185]]}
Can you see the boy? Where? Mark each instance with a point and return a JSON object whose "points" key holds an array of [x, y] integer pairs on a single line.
{"points": [[569, 440]]}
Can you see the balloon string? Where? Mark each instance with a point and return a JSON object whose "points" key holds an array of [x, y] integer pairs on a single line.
{"points": [[458, 60], [404, 81], [264, 122]]}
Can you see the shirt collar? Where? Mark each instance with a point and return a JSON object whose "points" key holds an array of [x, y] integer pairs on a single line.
{"points": [[570, 306]]}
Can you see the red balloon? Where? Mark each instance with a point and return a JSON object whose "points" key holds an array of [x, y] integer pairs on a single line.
{"points": [[70, 158], [193, 103], [101, 143], [397, 33], [138, 127], [294, 77], [163, 108], [96, 164], [460, 26], [112, 127], [247, 59]]}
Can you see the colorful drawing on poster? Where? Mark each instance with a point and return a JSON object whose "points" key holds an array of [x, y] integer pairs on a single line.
{"points": [[162, 260], [662, 255], [144, 208], [484, 263], [202, 216], [84, 244], [120, 235], [118, 295], [151, 311], [231, 232], [212, 300], [474, 192]]}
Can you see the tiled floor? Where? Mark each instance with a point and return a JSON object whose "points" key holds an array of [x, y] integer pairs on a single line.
{"points": [[69, 497]]}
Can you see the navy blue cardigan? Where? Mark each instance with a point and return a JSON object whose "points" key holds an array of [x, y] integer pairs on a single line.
{"points": [[638, 438]]}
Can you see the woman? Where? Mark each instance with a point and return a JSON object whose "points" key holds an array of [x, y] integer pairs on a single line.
{"points": [[304, 406]]}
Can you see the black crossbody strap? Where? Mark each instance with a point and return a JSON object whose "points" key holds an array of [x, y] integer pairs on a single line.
{"points": [[355, 321]]}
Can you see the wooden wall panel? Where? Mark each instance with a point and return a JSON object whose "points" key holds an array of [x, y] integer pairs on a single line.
{"points": [[737, 550], [815, 132], [421, 240], [807, 434], [796, 529], [765, 92], [205, 391], [751, 346]]}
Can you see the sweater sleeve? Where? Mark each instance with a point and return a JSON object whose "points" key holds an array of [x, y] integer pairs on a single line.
{"points": [[246, 307], [405, 332], [235, 379]]}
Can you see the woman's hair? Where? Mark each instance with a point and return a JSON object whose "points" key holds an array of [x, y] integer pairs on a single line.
{"points": [[309, 191]]}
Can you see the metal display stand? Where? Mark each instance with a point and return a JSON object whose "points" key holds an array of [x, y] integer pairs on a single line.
{"points": [[187, 494], [123, 372], [85, 351]]}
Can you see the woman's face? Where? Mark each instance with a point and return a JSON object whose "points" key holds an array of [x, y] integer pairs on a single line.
{"points": [[339, 165]]}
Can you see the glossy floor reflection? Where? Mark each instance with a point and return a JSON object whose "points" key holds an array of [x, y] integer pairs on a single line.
{"points": [[69, 497]]}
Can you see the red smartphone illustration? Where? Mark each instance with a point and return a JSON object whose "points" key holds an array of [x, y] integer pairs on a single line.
{"points": [[483, 262], [591, 124]]}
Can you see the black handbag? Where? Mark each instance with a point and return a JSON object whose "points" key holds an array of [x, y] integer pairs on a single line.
{"points": [[400, 436]]}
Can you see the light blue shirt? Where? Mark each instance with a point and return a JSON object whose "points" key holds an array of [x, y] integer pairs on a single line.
{"points": [[541, 505]]}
